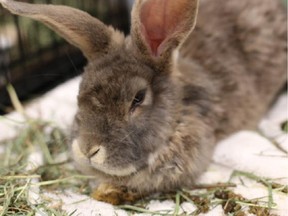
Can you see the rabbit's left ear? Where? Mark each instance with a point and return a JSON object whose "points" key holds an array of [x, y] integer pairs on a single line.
{"points": [[87, 33], [160, 26]]}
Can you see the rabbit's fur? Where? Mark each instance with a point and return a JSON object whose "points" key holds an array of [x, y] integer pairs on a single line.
{"points": [[222, 79]]}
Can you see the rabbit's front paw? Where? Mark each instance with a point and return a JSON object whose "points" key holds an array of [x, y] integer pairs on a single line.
{"points": [[114, 195]]}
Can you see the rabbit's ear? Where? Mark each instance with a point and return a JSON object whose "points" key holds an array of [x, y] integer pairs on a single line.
{"points": [[160, 26], [90, 35]]}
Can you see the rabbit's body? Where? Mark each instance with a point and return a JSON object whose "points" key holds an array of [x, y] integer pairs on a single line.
{"points": [[149, 116], [229, 70], [241, 47]]}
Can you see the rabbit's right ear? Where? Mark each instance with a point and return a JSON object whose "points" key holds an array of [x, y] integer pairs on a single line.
{"points": [[160, 26], [87, 33]]}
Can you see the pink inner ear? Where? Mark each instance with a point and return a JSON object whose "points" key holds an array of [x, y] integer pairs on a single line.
{"points": [[160, 19]]}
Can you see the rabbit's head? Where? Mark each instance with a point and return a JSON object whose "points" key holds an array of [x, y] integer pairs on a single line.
{"points": [[128, 99]]}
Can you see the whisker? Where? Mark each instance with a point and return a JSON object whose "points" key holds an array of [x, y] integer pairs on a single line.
{"points": [[127, 135], [72, 63]]}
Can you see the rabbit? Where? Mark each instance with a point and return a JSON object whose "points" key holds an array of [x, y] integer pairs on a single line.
{"points": [[153, 105]]}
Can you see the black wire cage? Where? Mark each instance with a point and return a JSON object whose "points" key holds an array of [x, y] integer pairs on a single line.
{"points": [[34, 59]]}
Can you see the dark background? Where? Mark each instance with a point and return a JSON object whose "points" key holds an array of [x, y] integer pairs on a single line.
{"points": [[34, 59]]}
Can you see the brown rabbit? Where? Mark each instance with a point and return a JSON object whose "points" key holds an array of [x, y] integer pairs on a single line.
{"points": [[153, 105]]}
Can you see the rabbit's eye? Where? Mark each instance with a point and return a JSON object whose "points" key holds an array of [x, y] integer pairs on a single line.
{"points": [[139, 98]]}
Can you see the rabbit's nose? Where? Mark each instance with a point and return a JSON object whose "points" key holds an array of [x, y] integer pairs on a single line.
{"points": [[93, 151], [97, 155]]}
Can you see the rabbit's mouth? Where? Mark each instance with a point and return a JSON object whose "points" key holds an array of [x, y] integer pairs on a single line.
{"points": [[96, 162], [114, 171]]}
